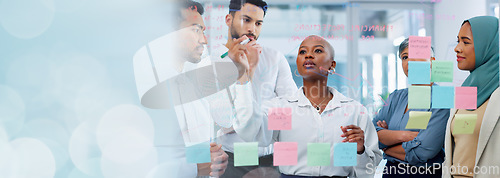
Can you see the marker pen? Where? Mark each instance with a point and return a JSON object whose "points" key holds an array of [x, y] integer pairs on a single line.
{"points": [[244, 42]]}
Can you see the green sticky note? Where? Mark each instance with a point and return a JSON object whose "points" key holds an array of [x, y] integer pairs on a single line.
{"points": [[442, 71], [464, 123], [318, 154], [419, 97], [418, 120], [246, 154]]}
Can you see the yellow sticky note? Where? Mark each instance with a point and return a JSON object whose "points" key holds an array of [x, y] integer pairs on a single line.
{"points": [[418, 120], [464, 123]]}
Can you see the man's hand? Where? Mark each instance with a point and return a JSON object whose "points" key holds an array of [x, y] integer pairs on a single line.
{"points": [[354, 135], [254, 51], [238, 54], [219, 160]]}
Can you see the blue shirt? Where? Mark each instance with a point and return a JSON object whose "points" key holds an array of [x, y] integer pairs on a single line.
{"points": [[427, 147]]}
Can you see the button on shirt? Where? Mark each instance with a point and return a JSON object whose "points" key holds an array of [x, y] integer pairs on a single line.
{"points": [[308, 126]]}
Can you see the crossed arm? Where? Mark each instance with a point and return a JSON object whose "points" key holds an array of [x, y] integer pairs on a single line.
{"points": [[393, 139]]}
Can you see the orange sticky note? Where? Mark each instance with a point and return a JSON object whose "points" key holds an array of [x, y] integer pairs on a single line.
{"points": [[285, 153], [279, 119], [419, 47], [465, 97]]}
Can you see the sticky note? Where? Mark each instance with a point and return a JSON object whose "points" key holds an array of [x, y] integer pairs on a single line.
{"points": [[418, 120], [279, 119], [246, 154], [318, 154], [442, 71], [419, 47], [419, 97], [285, 153], [443, 97], [198, 153], [465, 97], [464, 123], [345, 154], [419, 72]]}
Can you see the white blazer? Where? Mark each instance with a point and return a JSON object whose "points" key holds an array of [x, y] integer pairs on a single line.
{"points": [[488, 147]]}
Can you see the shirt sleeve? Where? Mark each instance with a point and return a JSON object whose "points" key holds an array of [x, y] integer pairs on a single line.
{"points": [[284, 83], [372, 156], [251, 119], [384, 114], [429, 142]]}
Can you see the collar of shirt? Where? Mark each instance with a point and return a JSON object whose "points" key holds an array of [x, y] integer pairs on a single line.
{"points": [[336, 102]]}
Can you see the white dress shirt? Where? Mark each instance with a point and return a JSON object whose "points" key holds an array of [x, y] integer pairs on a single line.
{"points": [[153, 65], [272, 78], [308, 126]]}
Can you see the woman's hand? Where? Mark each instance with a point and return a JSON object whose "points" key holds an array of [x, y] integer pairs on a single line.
{"points": [[382, 124], [407, 136], [219, 160], [355, 134]]}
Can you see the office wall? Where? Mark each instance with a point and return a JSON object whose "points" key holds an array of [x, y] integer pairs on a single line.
{"points": [[446, 31]]}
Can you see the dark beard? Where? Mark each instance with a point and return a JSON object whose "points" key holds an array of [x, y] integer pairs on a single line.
{"points": [[235, 34]]}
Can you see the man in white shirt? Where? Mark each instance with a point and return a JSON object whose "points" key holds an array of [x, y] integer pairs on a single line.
{"points": [[163, 81], [272, 76]]}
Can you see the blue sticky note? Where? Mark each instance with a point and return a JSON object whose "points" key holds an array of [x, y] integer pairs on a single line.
{"points": [[443, 97], [345, 154], [419, 72], [198, 153]]}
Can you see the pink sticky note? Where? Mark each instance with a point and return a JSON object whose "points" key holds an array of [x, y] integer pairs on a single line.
{"points": [[419, 47], [279, 119], [285, 153], [465, 97]]}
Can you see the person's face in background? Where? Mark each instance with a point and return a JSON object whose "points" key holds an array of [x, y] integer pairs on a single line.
{"points": [[405, 59], [466, 56], [314, 58], [192, 36], [247, 21]]}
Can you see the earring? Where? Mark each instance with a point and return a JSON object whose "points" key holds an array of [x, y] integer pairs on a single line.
{"points": [[331, 71], [295, 73]]}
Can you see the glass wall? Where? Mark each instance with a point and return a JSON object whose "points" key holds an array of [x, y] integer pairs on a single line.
{"points": [[365, 37]]}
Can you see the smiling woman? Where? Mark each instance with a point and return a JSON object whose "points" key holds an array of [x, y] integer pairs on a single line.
{"points": [[477, 52], [466, 57]]}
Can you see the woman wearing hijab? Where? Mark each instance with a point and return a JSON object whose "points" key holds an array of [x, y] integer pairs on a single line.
{"points": [[477, 154]]}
